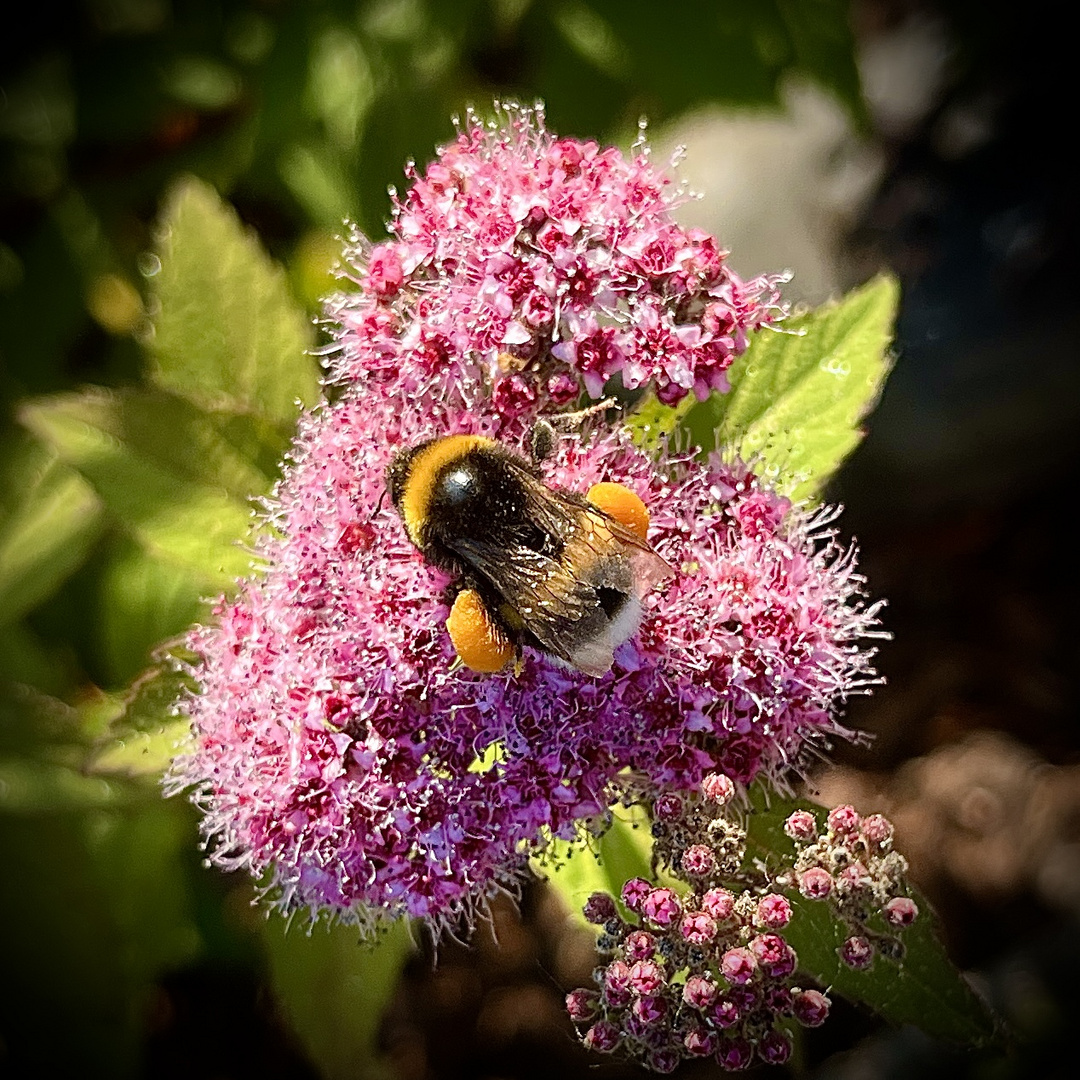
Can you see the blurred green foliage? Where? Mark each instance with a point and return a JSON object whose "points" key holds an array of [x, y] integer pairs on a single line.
{"points": [[121, 507]]}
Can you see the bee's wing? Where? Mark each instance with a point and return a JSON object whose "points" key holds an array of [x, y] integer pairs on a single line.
{"points": [[559, 609], [576, 522], [560, 596]]}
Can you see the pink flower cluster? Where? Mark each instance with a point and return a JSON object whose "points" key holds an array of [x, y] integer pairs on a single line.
{"points": [[523, 267], [334, 752], [707, 973], [851, 865]]}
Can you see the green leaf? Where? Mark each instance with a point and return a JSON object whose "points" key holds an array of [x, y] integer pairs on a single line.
{"points": [[142, 753], [227, 334], [924, 989], [49, 519], [25, 658], [144, 601], [575, 871], [333, 987], [178, 478], [28, 786], [143, 731], [798, 396]]}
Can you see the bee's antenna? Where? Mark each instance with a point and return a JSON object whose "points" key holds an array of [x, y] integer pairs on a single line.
{"points": [[572, 418]]}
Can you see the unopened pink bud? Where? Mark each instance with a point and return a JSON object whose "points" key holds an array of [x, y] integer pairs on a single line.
{"points": [[901, 911], [738, 966], [718, 903], [582, 1004], [698, 927], [698, 860], [699, 991], [718, 788], [774, 1047], [801, 825], [844, 821], [603, 1036], [811, 1008], [815, 883], [774, 911], [668, 807], [699, 1042], [734, 1055], [635, 891], [663, 1061], [639, 945], [851, 877], [661, 907], [617, 975], [599, 908], [877, 830], [649, 1010], [726, 1014], [773, 954], [646, 977], [857, 952]]}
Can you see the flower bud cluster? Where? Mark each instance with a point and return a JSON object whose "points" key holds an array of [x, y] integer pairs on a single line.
{"points": [[699, 969], [852, 866]]}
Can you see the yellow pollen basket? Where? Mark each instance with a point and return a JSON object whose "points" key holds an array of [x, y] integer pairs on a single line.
{"points": [[480, 644], [623, 505]]}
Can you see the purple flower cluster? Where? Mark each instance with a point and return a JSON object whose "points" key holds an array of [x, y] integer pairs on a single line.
{"points": [[704, 973], [335, 752]]}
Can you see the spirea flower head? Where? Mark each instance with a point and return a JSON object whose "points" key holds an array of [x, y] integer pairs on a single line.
{"points": [[336, 752], [522, 267], [720, 973], [722, 987]]}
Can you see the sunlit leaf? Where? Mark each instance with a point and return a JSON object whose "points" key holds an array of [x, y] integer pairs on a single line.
{"points": [[333, 987], [143, 731], [227, 332], [49, 519], [798, 395], [144, 601], [142, 753], [798, 398], [174, 476], [575, 871]]}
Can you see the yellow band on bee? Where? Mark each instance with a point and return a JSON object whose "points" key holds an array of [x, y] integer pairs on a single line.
{"points": [[423, 469]]}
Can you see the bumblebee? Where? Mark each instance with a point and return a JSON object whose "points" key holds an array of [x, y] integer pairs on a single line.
{"points": [[533, 564]]}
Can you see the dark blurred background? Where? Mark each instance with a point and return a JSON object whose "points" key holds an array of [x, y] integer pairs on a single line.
{"points": [[929, 137]]}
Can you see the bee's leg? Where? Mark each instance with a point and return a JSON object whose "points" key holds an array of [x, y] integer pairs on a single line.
{"points": [[478, 637], [542, 436]]}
